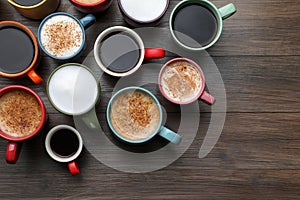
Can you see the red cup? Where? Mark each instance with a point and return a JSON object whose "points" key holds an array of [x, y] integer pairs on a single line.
{"points": [[97, 7], [15, 143], [202, 94]]}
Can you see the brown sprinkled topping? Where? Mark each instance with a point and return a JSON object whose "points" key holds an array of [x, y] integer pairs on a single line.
{"points": [[20, 113], [61, 36], [139, 109]]}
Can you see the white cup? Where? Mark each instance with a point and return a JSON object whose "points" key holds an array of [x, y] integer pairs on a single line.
{"points": [[72, 165]]}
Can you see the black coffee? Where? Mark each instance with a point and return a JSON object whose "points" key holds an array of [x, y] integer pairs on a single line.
{"points": [[119, 52], [16, 50], [27, 2], [64, 143], [196, 22]]}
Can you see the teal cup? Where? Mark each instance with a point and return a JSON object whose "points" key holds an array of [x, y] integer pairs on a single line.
{"points": [[158, 129], [198, 24]]}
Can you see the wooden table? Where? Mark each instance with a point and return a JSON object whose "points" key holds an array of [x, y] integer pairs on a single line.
{"points": [[258, 153]]}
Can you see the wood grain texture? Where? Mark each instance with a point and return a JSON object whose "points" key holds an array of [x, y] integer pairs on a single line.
{"points": [[257, 155]]}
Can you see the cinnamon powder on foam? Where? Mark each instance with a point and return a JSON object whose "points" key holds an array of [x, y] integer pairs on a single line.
{"points": [[61, 36], [20, 113]]}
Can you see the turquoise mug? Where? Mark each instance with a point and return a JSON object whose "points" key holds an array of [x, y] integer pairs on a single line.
{"points": [[62, 36], [191, 19], [138, 98]]}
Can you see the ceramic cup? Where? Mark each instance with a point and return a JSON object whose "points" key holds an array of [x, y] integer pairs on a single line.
{"points": [[197, 75], [139, 13], [158, 128], [62, 36], [95, 7], [64, 144], [14, 113], [119, 51], [17, 62], [37, 11], [73, 89], [186, 29]]}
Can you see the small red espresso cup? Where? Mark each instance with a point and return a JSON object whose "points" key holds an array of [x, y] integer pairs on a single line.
{"points": [[95, 6], [22, 116], [182, 81]]}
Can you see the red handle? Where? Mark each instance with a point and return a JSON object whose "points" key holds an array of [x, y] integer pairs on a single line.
{"points": [[154, 53], [207, 98], [12, 152], [73, 168]]}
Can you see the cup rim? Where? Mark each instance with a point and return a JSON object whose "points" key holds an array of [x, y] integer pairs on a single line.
{"points": [[111, 126], [137, 39], [140, 21], [48, 53], [88, 5], [55, 156], [26, 7], [9, 88], [30, 34], [212, 8], [199, 70], [79, 65]]}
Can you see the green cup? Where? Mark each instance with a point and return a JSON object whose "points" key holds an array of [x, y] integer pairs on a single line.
{"points": [[219, 15]]}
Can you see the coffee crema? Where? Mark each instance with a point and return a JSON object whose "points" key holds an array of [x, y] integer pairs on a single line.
{"points": [[88, 1], [61, 36], [134, 115], [181, 81], [20, 113]]}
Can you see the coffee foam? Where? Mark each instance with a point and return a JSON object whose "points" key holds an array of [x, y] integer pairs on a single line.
{"points": [[181, 81], [20, 113], [146, 10], [61, 36], [134, 115]]}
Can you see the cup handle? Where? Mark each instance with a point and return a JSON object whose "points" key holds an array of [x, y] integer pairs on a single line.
{"points": [[87, 20], [170, 135], [12, 152], [35, 77], [207, 98], [154, 53], [227, 11], [73, 168]]}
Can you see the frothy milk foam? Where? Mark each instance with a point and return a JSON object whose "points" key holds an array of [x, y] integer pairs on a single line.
{"points": [[181, 81], [73, 89], [145, 10], [61, 36]]}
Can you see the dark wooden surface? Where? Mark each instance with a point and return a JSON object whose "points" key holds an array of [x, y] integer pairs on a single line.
{"points": [[258, 154]]}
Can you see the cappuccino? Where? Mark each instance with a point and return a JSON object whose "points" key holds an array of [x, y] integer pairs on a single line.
{"points": [[61, 36], [135, 115], [181, 81], [20, 113], [88, 1]]}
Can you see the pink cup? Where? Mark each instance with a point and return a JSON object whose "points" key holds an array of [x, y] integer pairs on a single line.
{"points": [[97, 7], [202, 94]]}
